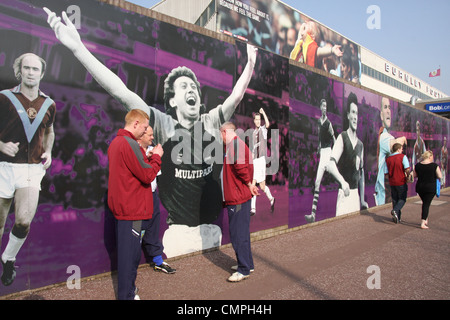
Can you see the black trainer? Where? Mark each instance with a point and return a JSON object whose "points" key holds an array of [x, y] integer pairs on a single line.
{"points": [[9, 272], [164, 267]]}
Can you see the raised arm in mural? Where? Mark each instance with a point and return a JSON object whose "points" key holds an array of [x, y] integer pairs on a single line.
{"points": [[68, 35]]}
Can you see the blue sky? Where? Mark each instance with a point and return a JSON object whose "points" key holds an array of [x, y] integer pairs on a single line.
{"points": [[414, 35]]}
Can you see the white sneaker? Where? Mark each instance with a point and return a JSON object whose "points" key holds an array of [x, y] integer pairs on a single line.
{"points": [[236, 277], [236, 267], [136, 297]]}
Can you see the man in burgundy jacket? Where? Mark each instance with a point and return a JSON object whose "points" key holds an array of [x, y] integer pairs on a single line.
{"points": [[238, 189], [398, 170], [130, 196]]}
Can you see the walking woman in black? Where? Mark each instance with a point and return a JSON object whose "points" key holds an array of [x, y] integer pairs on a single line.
{"points": [[426, 171]]}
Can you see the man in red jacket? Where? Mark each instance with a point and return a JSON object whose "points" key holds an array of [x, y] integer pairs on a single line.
{"points": [[238, 190], [398, 171], [130, 197]]}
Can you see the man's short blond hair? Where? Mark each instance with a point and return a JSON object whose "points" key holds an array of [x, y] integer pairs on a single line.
{"points": [[136, 114]]}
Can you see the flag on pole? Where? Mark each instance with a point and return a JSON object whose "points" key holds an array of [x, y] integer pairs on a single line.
{"points": [[435, 73]]}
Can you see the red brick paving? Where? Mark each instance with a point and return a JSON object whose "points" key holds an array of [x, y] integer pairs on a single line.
{"points": [[327, 261]]}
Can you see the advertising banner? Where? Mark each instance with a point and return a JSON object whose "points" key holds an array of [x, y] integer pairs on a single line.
{"points": [[438, 107], [280, 29]]}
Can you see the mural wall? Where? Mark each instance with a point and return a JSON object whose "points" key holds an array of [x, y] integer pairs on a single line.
{"points": [[68, 223], [320, 114]]}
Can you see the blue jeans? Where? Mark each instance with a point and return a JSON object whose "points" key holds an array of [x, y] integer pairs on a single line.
{"points": [[399, 194]]}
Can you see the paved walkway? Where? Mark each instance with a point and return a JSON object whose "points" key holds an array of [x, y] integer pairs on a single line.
{"points": [[338, 259]]}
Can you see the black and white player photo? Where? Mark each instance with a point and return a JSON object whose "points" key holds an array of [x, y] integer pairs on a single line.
{"points": [[26, 141]]}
